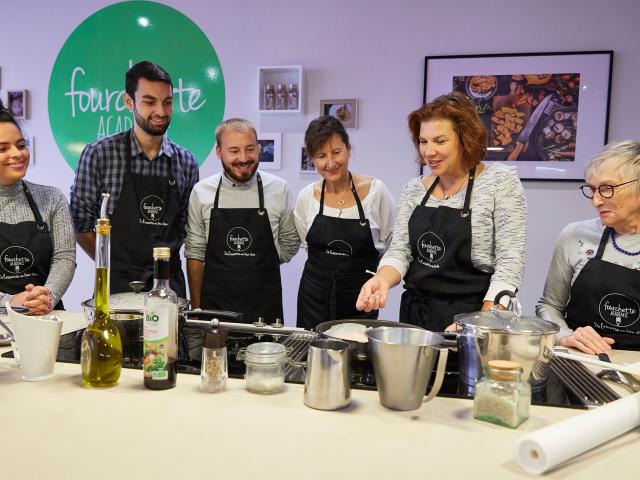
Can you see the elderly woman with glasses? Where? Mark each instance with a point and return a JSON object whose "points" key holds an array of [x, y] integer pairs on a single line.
{"points": [[593, 285]]}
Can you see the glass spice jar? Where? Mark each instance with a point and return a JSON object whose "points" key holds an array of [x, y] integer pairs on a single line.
{"points": [[213, 371], [501, 397], [281, 97], [293, 97], [265, 363], [269, 97]]}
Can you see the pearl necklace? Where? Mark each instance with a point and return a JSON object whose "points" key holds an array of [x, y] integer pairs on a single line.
{"points": [[620, 249]]}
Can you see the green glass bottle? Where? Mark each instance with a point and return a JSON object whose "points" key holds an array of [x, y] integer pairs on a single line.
{"points": [[101, 348]]}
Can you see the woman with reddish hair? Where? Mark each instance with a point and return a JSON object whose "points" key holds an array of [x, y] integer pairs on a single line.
{"points": [[459, 237]]}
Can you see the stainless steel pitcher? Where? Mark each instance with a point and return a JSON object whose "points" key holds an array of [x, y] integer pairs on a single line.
{"points": [[403, 360], [327, 383]]}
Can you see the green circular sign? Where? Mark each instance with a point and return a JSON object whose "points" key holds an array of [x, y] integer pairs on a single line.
{"points": [[86, 89]]}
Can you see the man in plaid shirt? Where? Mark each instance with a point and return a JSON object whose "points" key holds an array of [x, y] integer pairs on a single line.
{"points": [[149, 179]]}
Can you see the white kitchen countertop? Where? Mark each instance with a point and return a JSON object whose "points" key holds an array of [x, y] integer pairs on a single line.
{"points": [[61, 429]]}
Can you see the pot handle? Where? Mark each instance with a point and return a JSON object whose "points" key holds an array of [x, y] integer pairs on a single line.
{"points": [[502, 293], [442, 363], [450, 339]]}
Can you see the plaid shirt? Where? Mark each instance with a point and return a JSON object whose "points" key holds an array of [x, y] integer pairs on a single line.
{"points": [[101, 169]]}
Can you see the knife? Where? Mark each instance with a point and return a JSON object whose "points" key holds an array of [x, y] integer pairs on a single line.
{"points": [[523, 138]]}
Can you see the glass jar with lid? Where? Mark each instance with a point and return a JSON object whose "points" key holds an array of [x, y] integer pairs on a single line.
{"points": [[501, 397], [265, 363]]}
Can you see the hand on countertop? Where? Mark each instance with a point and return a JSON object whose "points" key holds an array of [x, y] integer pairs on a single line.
{"points": [[587, 340], [36, 298]]}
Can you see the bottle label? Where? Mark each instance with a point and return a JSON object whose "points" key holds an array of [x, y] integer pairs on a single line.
{"points": [[156, 342]]}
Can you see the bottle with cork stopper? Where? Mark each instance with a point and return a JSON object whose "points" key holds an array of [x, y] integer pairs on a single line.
{"points": [[502, 397]]}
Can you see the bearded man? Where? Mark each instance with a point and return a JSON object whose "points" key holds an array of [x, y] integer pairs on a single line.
{"points": [[240, 230], [149, 179]]}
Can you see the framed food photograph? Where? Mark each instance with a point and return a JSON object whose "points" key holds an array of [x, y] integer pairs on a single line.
{"points": [[270, 150], [306, 162], [17, 103], [547, 114], [344, 110]]}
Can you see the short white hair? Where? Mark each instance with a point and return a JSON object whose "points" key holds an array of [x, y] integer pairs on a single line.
{"points": [[621, 156]]}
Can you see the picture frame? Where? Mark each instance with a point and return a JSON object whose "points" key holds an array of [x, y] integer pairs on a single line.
{"points": [[17, 103], [547, 114], [306, 162], [345, 110], [30, 142], [270, 150]]}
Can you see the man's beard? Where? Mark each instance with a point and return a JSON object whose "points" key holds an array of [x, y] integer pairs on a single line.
{"points": [[245, 177], [146, 126]]}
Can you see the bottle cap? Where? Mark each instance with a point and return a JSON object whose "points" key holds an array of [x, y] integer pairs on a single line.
{"points": [[215, 338], [504, 370], [161, 253]]}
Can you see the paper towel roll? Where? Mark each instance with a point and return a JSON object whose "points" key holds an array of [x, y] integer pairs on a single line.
{"points": [[548, 447]]}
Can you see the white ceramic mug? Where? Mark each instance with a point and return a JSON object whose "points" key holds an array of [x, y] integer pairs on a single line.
{"points": [[38, 339]]}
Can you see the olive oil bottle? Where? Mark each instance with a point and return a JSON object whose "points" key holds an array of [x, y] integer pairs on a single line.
{"points": [[101, 348], [160, 326]]}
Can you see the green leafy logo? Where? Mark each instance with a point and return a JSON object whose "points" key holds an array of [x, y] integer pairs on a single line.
{"points": [[86, 89]]}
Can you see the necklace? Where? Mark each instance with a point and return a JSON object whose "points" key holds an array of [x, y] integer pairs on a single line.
{"points": [[620, 249], [447, 197]]}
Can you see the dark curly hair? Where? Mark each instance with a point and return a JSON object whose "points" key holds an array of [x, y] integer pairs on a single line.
{"points": [[461, 112]]}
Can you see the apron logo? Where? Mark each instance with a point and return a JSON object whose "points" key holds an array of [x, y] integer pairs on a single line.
{"points": [[619, 310], [239, 239], [152, 208], [339, 247], [16, 259], [431, 247]]}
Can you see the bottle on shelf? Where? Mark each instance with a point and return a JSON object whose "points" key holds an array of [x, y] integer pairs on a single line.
{"points": [[293, 97], [101, 347], [269, 97], [160, 326], [281, 97]]}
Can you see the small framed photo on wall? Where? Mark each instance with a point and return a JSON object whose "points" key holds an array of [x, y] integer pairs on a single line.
{"points": [[306, 162], [17, 103], [344, 110], [270, 150]]}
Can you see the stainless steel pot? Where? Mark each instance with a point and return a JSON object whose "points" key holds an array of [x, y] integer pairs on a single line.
{"points": [[126, 311], [505, 335]]}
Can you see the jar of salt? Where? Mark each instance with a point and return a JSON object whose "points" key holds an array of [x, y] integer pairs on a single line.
{"points": [[501, 397]]}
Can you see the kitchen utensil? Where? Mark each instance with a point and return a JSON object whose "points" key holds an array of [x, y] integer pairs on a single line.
{"points": [[545, 106], [403, 360], [505, 335], [327, 384], [359, 351], [581, 383], [635, 371], [37, 339]]}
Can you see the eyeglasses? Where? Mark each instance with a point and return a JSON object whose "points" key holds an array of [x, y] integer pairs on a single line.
{"points": [[605, 191]]}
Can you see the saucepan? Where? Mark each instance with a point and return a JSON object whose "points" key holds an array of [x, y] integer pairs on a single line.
{"points": [[357, 350], [505, 335], [126, 311]]}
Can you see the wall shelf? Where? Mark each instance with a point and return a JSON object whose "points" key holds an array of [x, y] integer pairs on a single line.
{"points": [[286, 74]]}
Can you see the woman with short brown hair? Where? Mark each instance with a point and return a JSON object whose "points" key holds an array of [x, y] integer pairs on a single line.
{"points": [[459, 237]]}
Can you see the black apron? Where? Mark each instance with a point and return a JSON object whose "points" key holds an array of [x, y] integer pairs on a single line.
{"points": [[441, 281], [242, 266], [146, 216], [25, 252], [606, 296], [340, 250]]}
